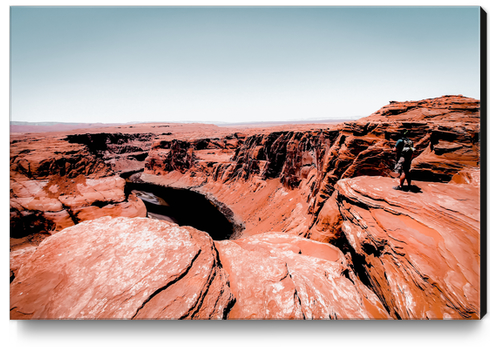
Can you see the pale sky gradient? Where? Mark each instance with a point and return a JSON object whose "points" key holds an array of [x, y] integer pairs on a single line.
{"points": [[134, 64]]}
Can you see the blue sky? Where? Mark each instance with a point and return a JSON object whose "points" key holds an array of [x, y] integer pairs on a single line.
{"points": [[235, 64]]}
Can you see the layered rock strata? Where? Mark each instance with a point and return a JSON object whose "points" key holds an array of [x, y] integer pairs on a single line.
{"points": [[50, 205], [58, 181], [419, 250], [321, 233], [309, 163]]}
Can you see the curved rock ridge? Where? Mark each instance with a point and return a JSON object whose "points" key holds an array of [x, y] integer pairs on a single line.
{"points": [[122, 268], [279, 276], [419, 250]]}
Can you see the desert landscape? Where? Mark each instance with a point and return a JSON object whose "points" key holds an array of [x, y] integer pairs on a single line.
{"points": [[245, 222]]}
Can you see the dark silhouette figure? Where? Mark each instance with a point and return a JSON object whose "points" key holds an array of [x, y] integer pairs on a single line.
{"points": [[404, 154]]}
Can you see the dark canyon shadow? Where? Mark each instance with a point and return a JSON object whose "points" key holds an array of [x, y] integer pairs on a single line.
{"points": [[186, 208]]}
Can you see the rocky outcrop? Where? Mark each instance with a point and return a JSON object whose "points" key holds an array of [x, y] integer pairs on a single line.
{"points": [[444, 109], [122, 152], [418, 250], [451, 149], [56, 203], [60, 180], [279, 276], [39, 158], [445, 132], [122, 268]]}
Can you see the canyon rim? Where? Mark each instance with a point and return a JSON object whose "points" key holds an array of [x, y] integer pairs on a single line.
{"points": [[291, 221]]}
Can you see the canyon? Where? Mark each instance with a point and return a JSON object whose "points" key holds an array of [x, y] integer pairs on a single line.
{"points": [[291, 221]]}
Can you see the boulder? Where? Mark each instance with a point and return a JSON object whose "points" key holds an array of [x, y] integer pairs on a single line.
{"points": [[122, 268], [280, 276]]}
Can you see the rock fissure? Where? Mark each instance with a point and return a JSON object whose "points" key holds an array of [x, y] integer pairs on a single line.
{"points": [[194, 310], [170, 282]]}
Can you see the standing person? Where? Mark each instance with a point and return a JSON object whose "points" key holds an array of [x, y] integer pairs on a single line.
{"points": [[404, 153]]}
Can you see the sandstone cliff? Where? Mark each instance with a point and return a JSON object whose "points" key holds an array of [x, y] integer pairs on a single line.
{"points": [[419, 251], [312, 161]]}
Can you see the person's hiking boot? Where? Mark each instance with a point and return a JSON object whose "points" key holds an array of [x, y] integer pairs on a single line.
{"points": [[398, 188]]}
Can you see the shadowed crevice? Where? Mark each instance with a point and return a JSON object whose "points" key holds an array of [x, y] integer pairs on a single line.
{"points": [[187, 208], [159, 290]]}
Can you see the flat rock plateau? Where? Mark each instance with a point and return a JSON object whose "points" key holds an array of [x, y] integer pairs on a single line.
{"points": [[297, 221]]}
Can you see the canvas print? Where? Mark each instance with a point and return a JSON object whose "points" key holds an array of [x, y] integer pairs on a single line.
{"points": [[245, 163]]}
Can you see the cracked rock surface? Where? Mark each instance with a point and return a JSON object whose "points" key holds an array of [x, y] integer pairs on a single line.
{"points": [[279, 276], [122, 268]]}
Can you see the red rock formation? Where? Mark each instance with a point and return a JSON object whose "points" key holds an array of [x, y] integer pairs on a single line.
{"points": [[322, 157], [58, 202], [445, 109], [278, 276], [419, 251], [39, 158], [446, 139], [122, 268], [57, 181], [374, 252], [247, 183]]}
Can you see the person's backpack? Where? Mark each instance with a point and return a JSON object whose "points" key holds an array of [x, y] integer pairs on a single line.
{"points": [[407, 147]]}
